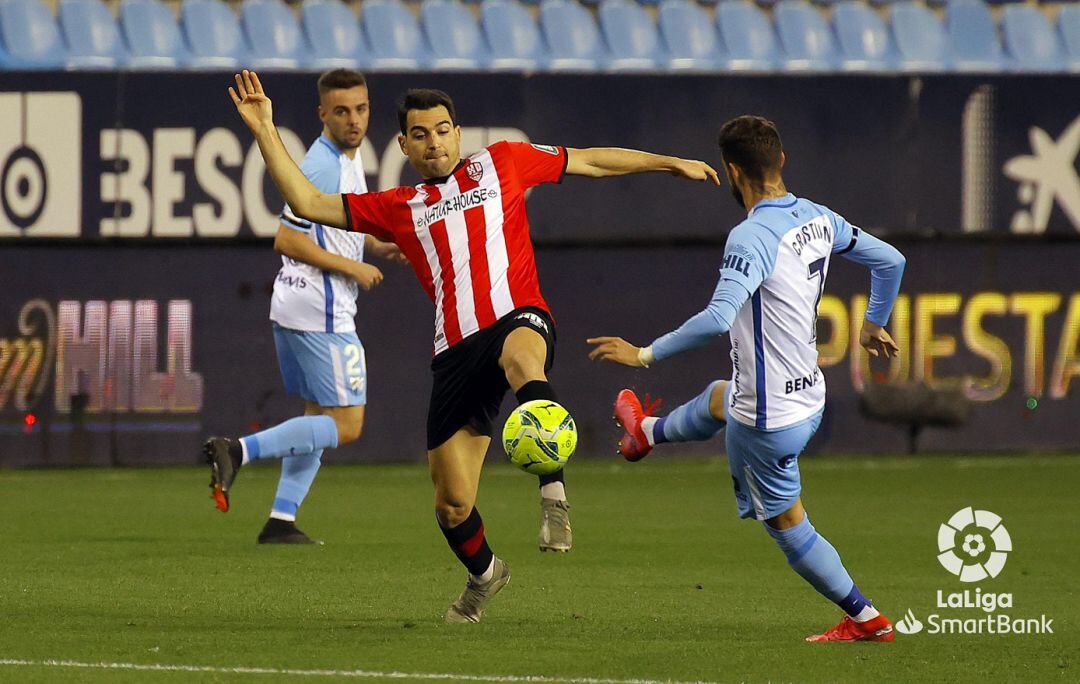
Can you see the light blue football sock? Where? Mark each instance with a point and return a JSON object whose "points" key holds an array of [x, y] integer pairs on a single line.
{"points": [[691, 422], [815, 559], [297, 474], [295, 437]]}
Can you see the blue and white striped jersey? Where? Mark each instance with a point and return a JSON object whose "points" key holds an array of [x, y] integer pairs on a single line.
{"points": [[771, 280], [306, 297]]}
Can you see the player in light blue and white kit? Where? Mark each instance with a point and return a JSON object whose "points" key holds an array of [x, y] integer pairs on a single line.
{"points": [[771, 279], [312, 311]]}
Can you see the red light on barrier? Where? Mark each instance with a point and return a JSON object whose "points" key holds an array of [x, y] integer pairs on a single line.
{"points": [[29, 420]]}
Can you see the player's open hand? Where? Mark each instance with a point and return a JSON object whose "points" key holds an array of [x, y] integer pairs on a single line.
{"points": [[696, 170], [251, 101], [877, 341], [614, 349], [366, 276]]}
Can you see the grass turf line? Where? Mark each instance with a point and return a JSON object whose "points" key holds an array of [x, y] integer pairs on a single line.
{"points": [[664, 581]]}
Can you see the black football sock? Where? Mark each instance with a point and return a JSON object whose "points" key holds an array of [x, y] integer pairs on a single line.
{"points": [[556, 476], [470, 544], [535, 389]]}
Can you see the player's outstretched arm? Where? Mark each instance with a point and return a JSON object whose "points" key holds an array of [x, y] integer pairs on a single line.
{"points": [[601, 162], [303, 197], [698, 330]]}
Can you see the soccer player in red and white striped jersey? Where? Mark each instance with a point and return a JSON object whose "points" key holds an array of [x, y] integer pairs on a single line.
{"points": [[465, 231]]}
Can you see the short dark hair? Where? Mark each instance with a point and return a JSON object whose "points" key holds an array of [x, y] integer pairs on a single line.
{"points": [[423, 98], [340, 79], [753, 144]]}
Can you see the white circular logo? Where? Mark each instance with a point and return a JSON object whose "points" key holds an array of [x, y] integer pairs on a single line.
{"points": [[973, 545]]}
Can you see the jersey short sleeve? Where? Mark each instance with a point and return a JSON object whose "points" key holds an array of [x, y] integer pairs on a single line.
{"points": [[324, 171], [537, 164], [749, 256], [371, 213]]}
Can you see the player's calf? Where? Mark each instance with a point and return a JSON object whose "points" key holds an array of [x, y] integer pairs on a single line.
{"points": [[300, 435], [694, 421], [812, 556], [487, 574]]}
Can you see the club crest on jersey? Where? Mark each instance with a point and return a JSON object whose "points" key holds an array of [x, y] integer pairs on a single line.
{"points": [[475, 171]]}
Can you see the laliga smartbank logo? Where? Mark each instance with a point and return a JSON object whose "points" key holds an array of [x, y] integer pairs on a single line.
{"points": [[973, 546]]}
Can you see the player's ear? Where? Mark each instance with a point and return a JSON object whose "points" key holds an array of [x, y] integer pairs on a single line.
{"points": [[733, 172], [401, 144], [783, 158], [322, 113]]}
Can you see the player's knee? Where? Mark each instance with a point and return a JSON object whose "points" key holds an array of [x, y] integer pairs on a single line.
{"points": [[348, 430], [451, 513], [717, 400], [521, 368], [788, 519]]}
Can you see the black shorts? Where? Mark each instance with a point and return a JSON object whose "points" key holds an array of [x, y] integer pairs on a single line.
{"points": [[468, 384]]}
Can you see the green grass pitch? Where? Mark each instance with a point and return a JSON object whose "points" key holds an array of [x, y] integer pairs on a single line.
{"points": [[664, 582]]}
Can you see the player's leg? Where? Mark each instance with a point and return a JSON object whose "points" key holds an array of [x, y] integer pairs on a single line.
{"points": [[525, 357], [768, 487], [455, 471], [298, 473], [332, 374], [817, 561], [335, 385], [697, 420], [466, 391], [328, 369]]}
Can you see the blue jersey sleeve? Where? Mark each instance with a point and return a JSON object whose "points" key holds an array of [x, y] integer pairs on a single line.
{"points": [[322, 168], [749, 257], [885, 262]]}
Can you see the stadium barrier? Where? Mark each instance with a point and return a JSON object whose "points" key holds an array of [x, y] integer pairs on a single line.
{"points": [[132, 354], [163, 156]]}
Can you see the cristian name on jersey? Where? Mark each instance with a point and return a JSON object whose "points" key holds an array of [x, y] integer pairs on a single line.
{"points": [[771, 279], [786, 244], [306, 297], [467, 236]]}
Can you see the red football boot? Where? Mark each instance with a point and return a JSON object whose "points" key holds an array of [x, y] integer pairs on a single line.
{"points": [[629, 412], [878, 629]]}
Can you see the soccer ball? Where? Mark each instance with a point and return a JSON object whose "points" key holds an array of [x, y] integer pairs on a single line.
{"points": [[539, 437]]}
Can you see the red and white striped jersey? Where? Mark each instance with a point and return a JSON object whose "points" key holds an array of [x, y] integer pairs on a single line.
{"points": [[467, 237]]}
